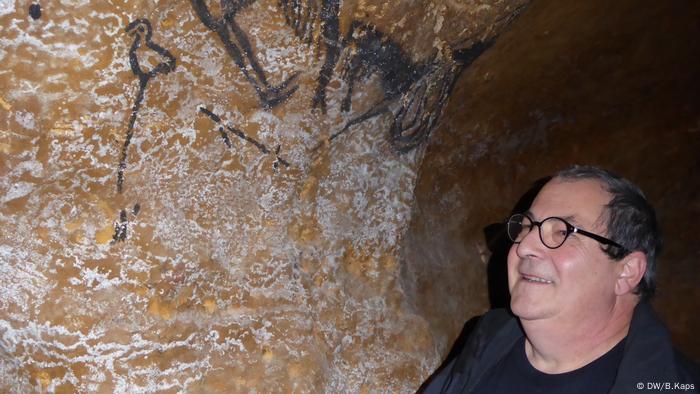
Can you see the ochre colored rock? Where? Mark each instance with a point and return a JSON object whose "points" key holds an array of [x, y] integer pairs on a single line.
{"points": [[291, 217], [212, 197]]}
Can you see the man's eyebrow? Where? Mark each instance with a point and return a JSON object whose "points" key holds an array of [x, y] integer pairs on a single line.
{"points": [[529, 214], [569, 218]]}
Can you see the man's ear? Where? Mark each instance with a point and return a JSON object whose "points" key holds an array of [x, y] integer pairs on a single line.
{"points": [[632, 269]]}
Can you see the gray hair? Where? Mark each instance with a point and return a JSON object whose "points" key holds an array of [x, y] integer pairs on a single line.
{"points": [[631, 221]]}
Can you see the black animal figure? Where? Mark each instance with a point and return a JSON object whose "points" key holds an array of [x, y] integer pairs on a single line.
{"points": [[420, 106], [142, 32], [414, 94], [239, 49], [304, 17]]}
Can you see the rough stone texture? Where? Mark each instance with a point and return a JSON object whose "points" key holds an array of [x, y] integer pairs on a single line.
{"points": [[193, 199], [611, 84]]}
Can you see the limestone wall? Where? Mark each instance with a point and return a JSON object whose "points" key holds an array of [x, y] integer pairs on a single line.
{"points": [[277, 196], [202, 196]]}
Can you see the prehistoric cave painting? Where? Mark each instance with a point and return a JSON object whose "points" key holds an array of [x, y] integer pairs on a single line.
{"points": [[239, 49], [238, 133], [142, 31], [414, 94], [121, 227], [138, 58], [304, 17]]}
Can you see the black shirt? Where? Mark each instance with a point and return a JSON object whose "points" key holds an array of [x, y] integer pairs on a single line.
{"points": [[515, 374]]}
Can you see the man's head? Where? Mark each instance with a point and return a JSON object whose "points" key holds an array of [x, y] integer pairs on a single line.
{"points": [[630, 220], [584, 276]]}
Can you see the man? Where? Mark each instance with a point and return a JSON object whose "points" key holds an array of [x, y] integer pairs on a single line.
{"points": [[581, 270]]}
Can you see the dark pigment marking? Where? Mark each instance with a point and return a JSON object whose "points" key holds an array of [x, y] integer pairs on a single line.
{"points": [[137, 209], [35, 11], [330, 38], [279, 160], [415, 94], [239, 49], [142, 31], [120, 228], [238, 133], [304, 17], [224, 135]]}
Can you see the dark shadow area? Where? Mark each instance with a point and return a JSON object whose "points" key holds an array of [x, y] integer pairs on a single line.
{"points": [[497, 273], [456, 349], [498, 244]]}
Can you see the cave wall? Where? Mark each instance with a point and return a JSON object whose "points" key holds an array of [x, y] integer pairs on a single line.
{"points": [[296, 196], [613, 84], [210, 196]]}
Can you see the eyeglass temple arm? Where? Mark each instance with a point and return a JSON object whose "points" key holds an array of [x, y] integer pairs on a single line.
{"points": [[598, 238]]}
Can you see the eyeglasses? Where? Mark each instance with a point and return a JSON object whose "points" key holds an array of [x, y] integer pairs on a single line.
{"points": [[553, 231]]}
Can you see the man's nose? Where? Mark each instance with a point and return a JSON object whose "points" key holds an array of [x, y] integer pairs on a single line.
{"points": [[531, 244]]}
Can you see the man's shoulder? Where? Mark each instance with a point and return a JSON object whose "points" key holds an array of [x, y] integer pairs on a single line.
{"points": [[496, 318], [650, 355], [485, 342], [494, 335]]}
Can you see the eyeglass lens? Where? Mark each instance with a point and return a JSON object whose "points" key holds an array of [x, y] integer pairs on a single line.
{"points": [[552, 231]]}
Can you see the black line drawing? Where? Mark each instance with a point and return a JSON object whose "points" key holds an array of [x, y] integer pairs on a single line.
{"points": [[239, 49], [415, 94], [142, 31], [165, 63], [332, 48], [238, 133], [305, 18], [120, 228]]}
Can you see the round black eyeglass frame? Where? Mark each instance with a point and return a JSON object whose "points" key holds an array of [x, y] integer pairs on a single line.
{"points": [[570, 229]]}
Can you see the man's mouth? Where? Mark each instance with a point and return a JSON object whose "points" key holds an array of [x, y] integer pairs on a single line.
{"points": [[536, 279]]}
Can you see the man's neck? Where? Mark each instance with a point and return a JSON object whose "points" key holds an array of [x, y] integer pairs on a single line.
{"points": [[554, 348]]}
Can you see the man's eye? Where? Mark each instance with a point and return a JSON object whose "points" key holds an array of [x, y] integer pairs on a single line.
{"points": [[561, 234]]}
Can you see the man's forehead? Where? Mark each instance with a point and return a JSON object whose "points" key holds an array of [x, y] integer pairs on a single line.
{"points": [[580, 202]]}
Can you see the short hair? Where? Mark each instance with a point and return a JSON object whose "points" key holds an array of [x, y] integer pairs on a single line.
{"points": [[630, 220]]}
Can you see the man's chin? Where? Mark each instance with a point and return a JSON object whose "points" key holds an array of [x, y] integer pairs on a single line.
{"points": [[527, 309]]}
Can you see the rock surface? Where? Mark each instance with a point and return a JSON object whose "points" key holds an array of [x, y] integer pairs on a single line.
{"points": [[212, 197], [291, 217]]}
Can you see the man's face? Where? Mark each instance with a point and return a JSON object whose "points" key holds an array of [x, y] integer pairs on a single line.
{"points": [[574, 283]]}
